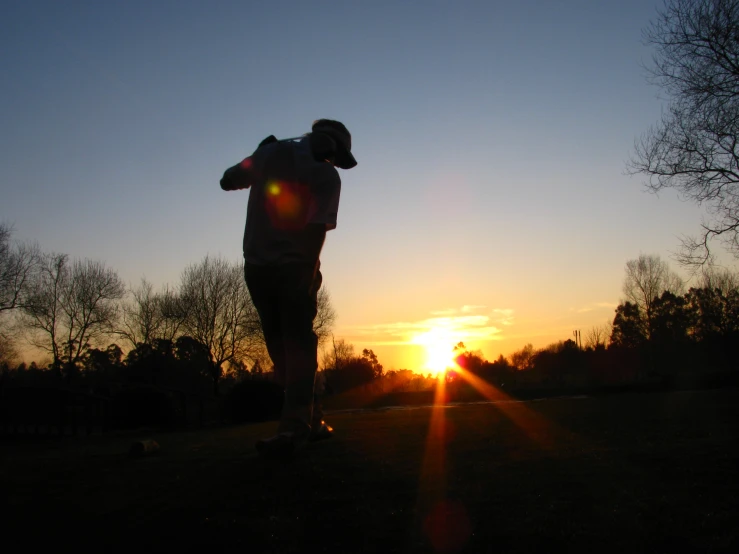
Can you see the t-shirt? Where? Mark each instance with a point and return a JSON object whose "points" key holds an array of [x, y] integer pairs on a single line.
{"points": [[289, 190]]}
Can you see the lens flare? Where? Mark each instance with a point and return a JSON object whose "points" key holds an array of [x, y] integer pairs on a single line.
{"points": [[289, 205]]}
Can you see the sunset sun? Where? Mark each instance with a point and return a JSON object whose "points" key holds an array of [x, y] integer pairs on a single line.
{"points": [[439, 346]]}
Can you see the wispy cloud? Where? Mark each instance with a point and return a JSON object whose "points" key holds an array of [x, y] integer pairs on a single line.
{"points": [[595, 306], [454, 324], [503, 316]]}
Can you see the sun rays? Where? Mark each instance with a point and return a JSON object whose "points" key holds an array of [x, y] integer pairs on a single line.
{"points": [[445, 521]]}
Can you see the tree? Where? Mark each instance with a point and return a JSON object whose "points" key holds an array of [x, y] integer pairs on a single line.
{"points": [[646, 279], [597, 337], [148, 315], [470, 361], [325, 317], [523, 359], [8, 352], [358, 371], [17, 264], [371, 358], [337, 355], [71, 307], [221, 314], [672, 321], [102, 366], [715, 313], [694, 149], [628, 327], [721, 279]]}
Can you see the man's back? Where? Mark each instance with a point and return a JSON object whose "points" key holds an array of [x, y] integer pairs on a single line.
{"points": [[290, 191]]}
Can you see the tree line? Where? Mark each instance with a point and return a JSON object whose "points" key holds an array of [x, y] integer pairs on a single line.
{"points": [[203, 334], [663, 334], [78, 311]]}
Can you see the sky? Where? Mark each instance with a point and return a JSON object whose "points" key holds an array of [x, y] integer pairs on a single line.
{"points": [[491, 203]]}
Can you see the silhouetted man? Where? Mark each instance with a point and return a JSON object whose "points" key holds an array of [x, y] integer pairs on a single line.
{"points": [[294, 200]]}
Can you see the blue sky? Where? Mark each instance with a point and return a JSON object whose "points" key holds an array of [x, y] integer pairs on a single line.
{"points": [[491, 139]]}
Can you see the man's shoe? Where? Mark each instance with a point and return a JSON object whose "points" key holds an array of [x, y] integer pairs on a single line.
{"points": [[282, 445], [320, 431], [292, 435]]}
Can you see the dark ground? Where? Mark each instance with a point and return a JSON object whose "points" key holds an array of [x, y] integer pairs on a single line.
{"points": [[624, 473]]}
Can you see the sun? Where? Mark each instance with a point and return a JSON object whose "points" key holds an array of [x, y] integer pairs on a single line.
{"points": [[439, 345]]}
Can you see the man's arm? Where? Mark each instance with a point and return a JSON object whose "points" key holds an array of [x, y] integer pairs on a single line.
{"points": [[242, 175], [312, 239], [239, 176]]}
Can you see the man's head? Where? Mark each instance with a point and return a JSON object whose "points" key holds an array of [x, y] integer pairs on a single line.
{"points": [[333, 137]]}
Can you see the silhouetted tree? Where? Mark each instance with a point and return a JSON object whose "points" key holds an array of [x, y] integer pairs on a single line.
{"points": [[646, 279], [18, 262], [671, 321], [598, 336], [629, 329], [148, 315], [470, 361], [346, 371], [97, 360], [337, 354], [523, 359], [102, 367], [237, 371], [8, 352], [221, 314], [71, 307], [693, 149], [719, 278], [371, 358], [325, 316]]}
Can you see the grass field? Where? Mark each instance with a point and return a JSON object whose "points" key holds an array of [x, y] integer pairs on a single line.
{"points": [[624, 473]]}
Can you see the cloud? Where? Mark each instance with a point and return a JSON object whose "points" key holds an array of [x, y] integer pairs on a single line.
{"points": [[453, 324], [595, 306], [504, 316], [467, 308], [448, 311]]}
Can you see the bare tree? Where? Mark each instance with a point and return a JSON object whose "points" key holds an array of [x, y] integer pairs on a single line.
{"points": [[148, 315], [71, 307], [598, 336], [337, 354], [221, 314], [325, 318], [8, 351], [719, 278], [694, 148], [646, 279], [17, 263]]}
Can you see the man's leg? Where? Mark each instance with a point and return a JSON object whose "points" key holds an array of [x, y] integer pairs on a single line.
{"points": [[265, 294], [319, 429], [299, 309]]}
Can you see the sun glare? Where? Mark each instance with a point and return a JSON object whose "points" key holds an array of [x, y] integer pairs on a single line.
{"points": [[439, 345]]}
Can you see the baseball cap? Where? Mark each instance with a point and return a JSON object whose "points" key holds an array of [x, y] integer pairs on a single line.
{"points": [[343, 138]]}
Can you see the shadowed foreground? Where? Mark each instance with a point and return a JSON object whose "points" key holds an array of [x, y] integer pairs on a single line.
{"points": [[640, 472]]}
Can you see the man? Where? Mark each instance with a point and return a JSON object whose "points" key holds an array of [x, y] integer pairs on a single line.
{"points": [[294, 200]]}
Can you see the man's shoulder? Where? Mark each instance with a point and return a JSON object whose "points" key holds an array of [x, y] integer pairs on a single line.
{"points": [[317, 172], [327, 172]]}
